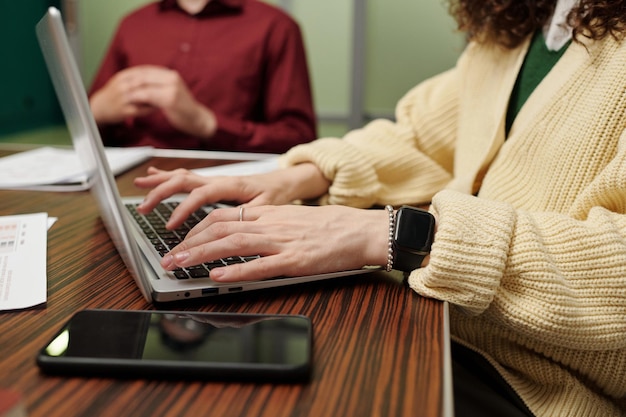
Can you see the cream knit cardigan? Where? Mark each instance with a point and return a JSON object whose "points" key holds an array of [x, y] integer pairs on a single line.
{"points": [[531, 244]]}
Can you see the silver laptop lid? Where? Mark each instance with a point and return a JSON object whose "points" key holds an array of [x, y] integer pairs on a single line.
{"points": [[71, 93]]}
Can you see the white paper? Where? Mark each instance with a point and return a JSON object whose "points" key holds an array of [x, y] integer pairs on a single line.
{"points": [[56, 169], [240, 168], [23, 242], [39, 166]]}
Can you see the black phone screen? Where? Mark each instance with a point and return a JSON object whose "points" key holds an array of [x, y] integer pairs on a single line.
{"points": [[168, 344]]}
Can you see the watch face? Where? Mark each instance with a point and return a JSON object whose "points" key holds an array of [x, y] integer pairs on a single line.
{"points": [[414, 229]]}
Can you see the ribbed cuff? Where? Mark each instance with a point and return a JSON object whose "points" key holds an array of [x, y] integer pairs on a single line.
{"points": [[354, 182], [469, 254]]}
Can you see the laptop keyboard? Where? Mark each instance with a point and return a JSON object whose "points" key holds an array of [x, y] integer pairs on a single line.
{"points": [[163, 240]]}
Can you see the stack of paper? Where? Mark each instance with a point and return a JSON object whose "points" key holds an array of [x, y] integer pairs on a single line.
{"points": [[55, 169]]}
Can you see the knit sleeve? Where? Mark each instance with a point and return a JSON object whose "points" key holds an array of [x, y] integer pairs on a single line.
{"points": [[548, 276], [389, 162]]}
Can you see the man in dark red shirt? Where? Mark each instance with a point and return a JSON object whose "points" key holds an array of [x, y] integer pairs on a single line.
{"points": [[205, 74]]}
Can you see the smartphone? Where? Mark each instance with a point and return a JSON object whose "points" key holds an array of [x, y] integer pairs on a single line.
{"points": [[181, 345]]}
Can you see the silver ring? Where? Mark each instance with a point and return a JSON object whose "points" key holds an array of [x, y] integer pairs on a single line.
{"points": [[240, 213]]}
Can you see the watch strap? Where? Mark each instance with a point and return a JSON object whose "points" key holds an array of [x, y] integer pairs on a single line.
{"points": [[406, 261]]}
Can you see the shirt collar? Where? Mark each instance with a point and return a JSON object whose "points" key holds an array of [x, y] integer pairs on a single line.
{"points": [[212, 7], [557, 32]]}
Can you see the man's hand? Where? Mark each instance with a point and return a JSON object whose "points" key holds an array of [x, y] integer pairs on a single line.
{"points": [[138, 91], [113, 103]]}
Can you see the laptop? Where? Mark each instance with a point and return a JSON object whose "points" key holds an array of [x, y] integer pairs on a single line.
{"points": [[133, 238]]}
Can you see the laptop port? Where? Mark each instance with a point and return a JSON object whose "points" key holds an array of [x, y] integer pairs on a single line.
{"points": [[210, 291], [235, 289]]}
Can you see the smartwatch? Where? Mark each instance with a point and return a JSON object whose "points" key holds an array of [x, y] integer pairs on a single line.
{"points": [[413, 235]]}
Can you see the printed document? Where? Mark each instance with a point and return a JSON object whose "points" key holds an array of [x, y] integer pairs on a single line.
{"points": [[23, 243]]}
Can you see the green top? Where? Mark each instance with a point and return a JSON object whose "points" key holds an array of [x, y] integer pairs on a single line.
{"points": [[538, 62]]}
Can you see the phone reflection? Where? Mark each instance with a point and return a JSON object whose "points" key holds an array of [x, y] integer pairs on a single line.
{"points": [[218, 338]]}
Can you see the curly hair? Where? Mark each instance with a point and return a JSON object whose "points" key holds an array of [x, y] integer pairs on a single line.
{"points": [[509, 22]]}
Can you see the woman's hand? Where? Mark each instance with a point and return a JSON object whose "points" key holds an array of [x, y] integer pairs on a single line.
{"points": [[292, 240], [303, 181]]}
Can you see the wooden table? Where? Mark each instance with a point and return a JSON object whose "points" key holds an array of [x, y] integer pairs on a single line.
{"points": [[379, 348]]}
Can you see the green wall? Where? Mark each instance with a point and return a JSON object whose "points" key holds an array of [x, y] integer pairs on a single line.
{"points": [[28, 99], [98, 20], [408, 41]]}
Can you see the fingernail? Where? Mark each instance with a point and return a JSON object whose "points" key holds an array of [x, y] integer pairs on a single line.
{"points": [[167, 261], [181, 257], [217, 274]]}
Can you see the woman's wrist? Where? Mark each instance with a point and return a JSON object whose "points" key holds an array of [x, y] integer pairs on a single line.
{"points": [[307, 182], [377, 250]]}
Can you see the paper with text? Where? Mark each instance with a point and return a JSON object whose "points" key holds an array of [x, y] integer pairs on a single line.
{"points": [[23, 243]]}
